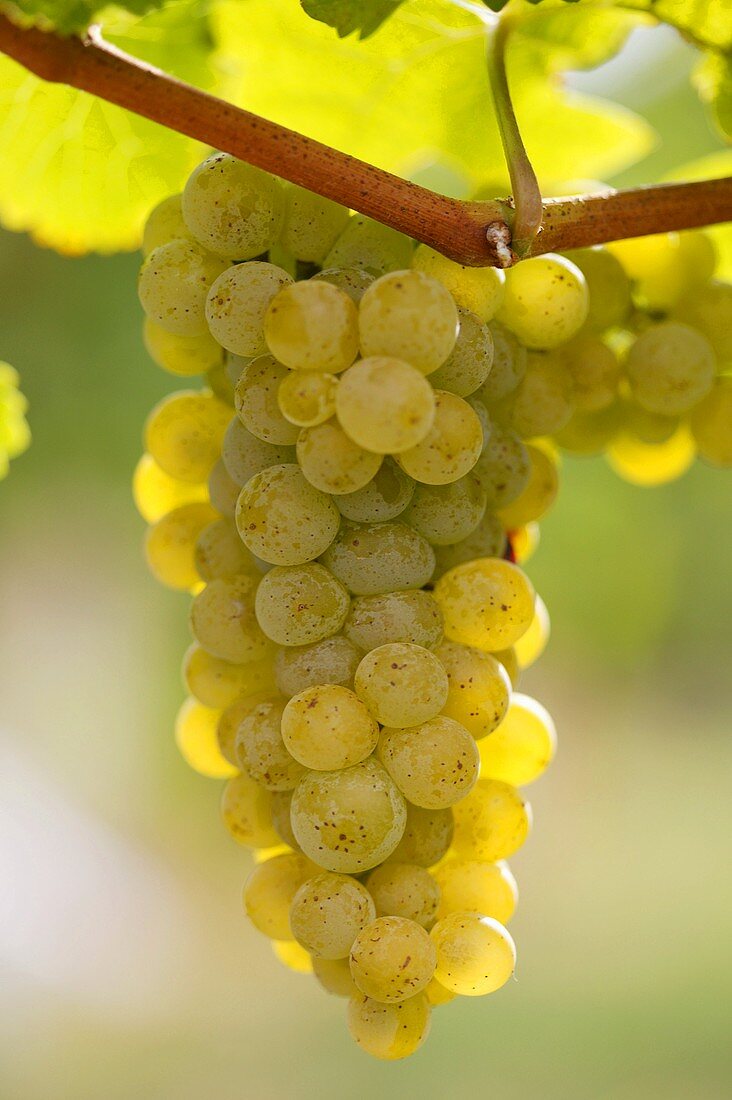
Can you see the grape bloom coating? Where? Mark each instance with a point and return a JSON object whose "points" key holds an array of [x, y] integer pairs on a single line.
{"points": [[349, 495]]}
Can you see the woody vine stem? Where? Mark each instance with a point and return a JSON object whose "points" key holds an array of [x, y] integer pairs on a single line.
{"points": [[473, 233]]}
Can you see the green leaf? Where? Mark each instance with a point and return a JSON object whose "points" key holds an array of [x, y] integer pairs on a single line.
{"points": [[75, 15], [347, 16], [417, 92], [713, 166], [713, 80], [80, 174], [705, 22]]}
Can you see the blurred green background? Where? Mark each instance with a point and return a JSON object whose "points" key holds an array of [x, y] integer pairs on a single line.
{"points": [[127, 967]]}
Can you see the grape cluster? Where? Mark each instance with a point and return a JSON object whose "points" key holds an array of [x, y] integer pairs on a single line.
{"points": [[349, 499], [14, 430]]}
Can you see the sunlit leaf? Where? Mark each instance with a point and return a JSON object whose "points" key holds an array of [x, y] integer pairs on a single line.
{"points": [[713, 80], [74, 15], [347, 16]]}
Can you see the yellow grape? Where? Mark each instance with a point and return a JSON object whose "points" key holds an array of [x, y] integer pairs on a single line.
{"points": [[283, 519], [412, 616], [487, 603], [475, 954], [544, 399], [257, 405], [608, 286], [237, 302], [223, 620], [392, 958], [171, 542], [385, 405], [479, 289], [244, 454], [711, 425], [478, 688], [595, 372], [233, 208], [307, 398], [222, 489], [195, 736], [385, 497], [546, 301], [261, 751], [532, 644], [652, 463], [218, 684], [434, 764], [671, 367], [492, 822], [371, 559], [446, 514], [389, 1031], [404, 890], [332, 462], [164, 223], [181, 355], [332, 660], [155, 493], [312, 326], [173, 283], [232, 717], [522, 747], [300, 604], [246, 809], [293, 956], [476, 886], [401, 684], [408, 315], [509, 366], [219, 552], [503, 468], [488, 540], [269, 890], [469, 363], [327, 727], [451, 447], [328, 912], [335, 976], [437, 995], [184, 433], [312, 224], [426, 838], [538, 494], [368, 244]]}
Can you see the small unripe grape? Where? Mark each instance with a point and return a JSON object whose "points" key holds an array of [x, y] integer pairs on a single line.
{"points": [[451, 447], [237, 302], [348, 820], [522, 746], [332, 462], [312, 326], [385, 405], [475, 954], [488, 603], [402, 684], [479, 688], [434, 764], [492, 822], [328, 912], [283, 519], [389, 1031], [307, 398], [404, 890], [247, 812], [269, 890], [233, 208], [327, 727], [392, 958], [479, 289], [476, 886], [195, 736]]}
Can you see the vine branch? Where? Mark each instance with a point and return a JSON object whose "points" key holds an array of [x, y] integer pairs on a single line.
{"points": [[473, 233]]}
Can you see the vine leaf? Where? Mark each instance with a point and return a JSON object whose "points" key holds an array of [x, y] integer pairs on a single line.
{"points": [[713, 80], [68, 16], [347, 16], [80, 174]]}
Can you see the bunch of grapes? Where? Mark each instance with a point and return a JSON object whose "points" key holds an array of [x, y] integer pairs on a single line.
{"points": [[349, 499], [14, 430]]}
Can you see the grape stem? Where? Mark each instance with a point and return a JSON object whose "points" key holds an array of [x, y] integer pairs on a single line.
{"points": [[478, 234]]}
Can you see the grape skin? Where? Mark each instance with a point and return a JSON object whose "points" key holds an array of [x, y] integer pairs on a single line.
{"points": [[283, 519], [389, 1031], [328, 912], [392, 959], [475, 954], [434, 764]]}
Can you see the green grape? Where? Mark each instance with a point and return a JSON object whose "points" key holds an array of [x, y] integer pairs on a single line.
{"points": [[261, 752], [233, 208], [544, 400], [392, 958], [173, 283], [651, 463], [255, 400], [389, 1031], [608, 286], [709, 310], [195, 736], [411, 616], [451, 447], [546, 301], [436, 994], [492, 822], [522, 747], [300, 604], [481, 412], [509, 660], [479, 289], [170, 545], [646, 426], [312, 326], [385, 405], [594, 370], [307, 398], [281, 803], [164, 223], [656, 267], [328, 912], [224, 623], [590, 433], [219, 552], [385, 497], [469, 363], [475, 954], [538, 494], [446, 514], [532, 644], [222, 489], [293, 956], [219, 383], [156, 493], [353, 280], [371, 559], [478, 688], [475, 886], [332, 462], [434, 764], [331, 661], [426, 838], [237, 303], [488, 603], [488, 540], [327, 727], [283, 519], [509, 366], [671, 367], [184, 433], [711, 424], [269, 890], [245, 455], [503, 468], [348, 820], [233, 716], [180, 355], [218, 684], [311, 225], [335, 977], [404, 890], [408, 315], [247, 812], [368, 244], [402, 684]]}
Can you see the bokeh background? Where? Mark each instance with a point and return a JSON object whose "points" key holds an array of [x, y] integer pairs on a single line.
{"points": [[126, 965]]}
